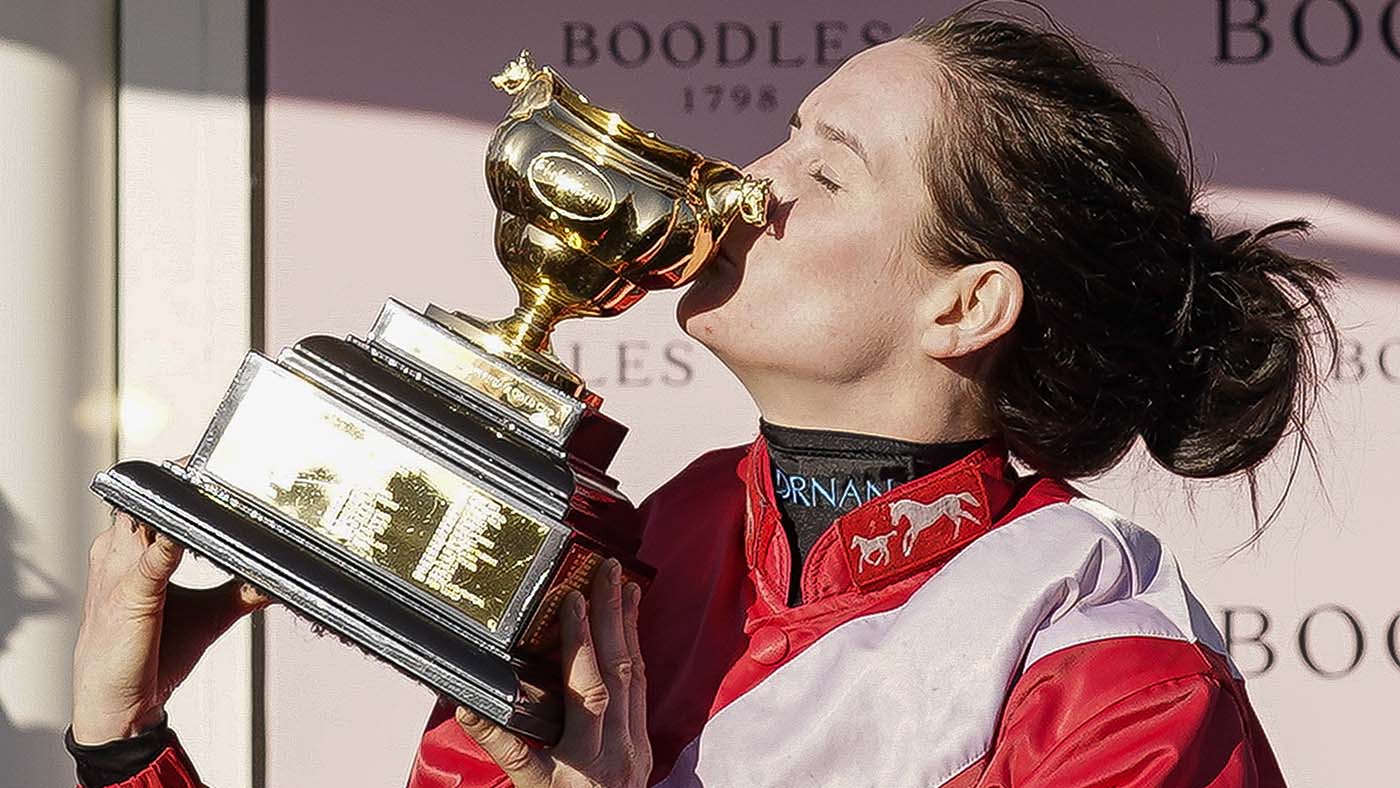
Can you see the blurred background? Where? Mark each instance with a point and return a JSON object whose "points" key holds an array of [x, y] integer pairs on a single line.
{"points": [[181, 181]]}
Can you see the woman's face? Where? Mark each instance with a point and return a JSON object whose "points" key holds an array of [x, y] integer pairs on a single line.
{"points": [[829, 289]]}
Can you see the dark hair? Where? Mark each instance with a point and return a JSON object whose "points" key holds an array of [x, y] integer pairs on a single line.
{"points": [[1138, 318]]}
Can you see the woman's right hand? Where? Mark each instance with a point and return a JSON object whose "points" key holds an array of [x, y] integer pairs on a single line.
{"points": [[605, 742], [140, 635]]}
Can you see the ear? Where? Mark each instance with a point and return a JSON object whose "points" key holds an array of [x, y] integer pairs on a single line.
{"points": [[971, 308]]}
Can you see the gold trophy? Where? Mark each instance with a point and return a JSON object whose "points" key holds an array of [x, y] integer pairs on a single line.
{"points": [[431, 491]]}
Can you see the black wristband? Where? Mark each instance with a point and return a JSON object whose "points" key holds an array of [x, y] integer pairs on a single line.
{"points": [[120, 759]]}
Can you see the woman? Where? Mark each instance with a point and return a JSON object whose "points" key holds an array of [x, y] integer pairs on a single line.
{"points": [[978, 247]]}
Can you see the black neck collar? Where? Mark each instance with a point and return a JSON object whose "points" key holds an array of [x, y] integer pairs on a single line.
{"points": [[819, 475]]}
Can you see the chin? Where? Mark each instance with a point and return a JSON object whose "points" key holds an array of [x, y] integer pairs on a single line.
{"points": [[700, 324], [719, 331]]}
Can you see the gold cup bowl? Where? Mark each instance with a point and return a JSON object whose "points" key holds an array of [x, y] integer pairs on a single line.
{"points": [[593, 213]]}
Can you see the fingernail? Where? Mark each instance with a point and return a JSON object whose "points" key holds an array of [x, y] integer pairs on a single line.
{"points": [[614, 571], [574, 602], [634, 594], [466, 717]]}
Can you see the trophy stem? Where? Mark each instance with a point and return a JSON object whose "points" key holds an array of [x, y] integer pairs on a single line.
{"points": [[510, 340], [529, 327]]}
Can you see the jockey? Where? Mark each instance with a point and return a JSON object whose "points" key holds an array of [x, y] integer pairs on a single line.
{"points": [[980, 256]]}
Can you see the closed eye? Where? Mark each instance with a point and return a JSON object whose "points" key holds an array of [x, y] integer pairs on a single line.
{"points": [[819, 177]]}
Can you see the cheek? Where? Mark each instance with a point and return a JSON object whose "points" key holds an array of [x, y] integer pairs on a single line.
{"points": [[846, 276], [826, 281], [805, 278], [798, 295], [823, 230], [838, 251]]}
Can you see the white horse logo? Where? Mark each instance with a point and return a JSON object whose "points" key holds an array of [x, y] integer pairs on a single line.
{"points": [[874, 550], [922, 516]]}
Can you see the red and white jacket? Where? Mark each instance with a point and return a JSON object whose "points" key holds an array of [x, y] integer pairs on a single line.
{"points": [[966, 629]]}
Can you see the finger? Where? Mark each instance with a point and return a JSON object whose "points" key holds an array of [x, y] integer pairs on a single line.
{"points": [[157, 563], [637, 691], [586, 696], [526, 767], [130, 538], [614, 660], [101, 547], [126, 533]]}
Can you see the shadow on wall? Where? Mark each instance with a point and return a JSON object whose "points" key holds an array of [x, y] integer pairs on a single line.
{"points": [[28, 756]]}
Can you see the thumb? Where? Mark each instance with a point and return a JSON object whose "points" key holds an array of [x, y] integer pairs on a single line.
{"points": [[247, 598], [526, 767]]}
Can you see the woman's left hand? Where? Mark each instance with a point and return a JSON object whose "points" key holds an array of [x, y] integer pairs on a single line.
{"points": [[604, 742]]}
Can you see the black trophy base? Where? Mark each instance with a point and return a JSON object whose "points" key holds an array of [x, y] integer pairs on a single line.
{"points": [[518, 696]]}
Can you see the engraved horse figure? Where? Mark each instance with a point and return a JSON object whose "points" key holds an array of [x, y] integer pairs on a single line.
{"points": [[922, 516], [874, 550]]}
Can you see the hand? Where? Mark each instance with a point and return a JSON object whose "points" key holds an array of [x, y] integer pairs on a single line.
{"points": [[605, 709], [140, 636]]}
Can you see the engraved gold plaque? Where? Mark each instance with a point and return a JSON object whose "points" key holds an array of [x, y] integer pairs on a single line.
{"points": [[363, 488], [431, 491]]}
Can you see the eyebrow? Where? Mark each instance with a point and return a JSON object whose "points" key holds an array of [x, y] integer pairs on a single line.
{"points": [[837, 135]]}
